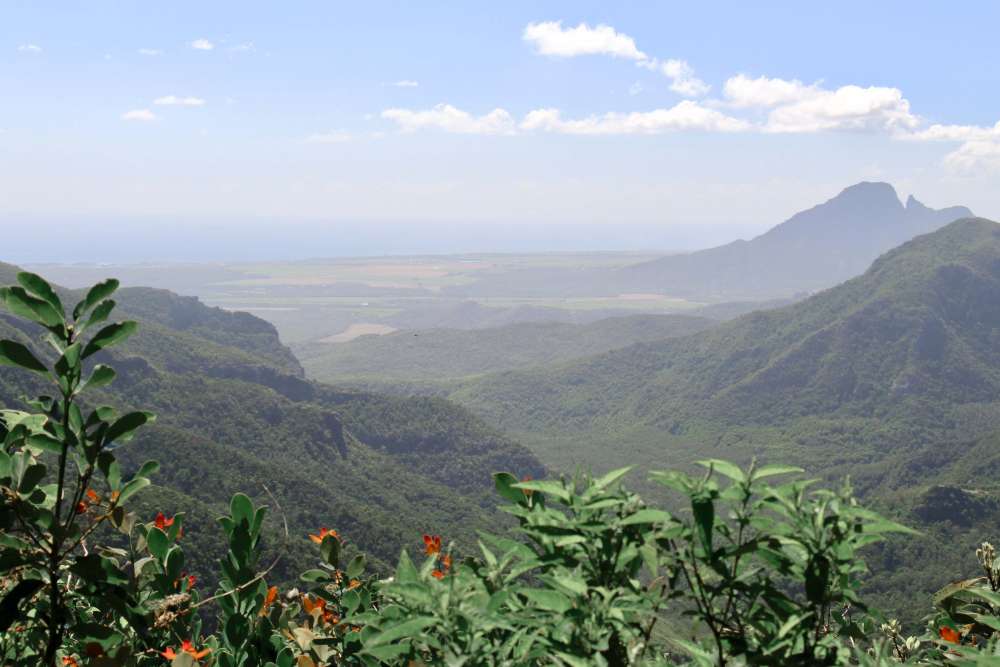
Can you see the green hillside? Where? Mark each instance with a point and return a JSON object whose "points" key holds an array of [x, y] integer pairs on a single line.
{"points": [[888, 377], [234, 413], [446, 354]]}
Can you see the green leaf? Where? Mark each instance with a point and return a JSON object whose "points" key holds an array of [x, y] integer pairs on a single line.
{"points": [[101, 376], [356, 567], [39, 287], [504, 483], [108, 336], [730, 470], [241, 509], [157, 542], [547, 599], [703, 510], [97, 293], [552, 488], [315, 575], [772, 470], [131, 488], [15, 354], [612, 477], [646, 516], [45, 442], [123, 429], [32, 308], [100, 314], [404, 629]]}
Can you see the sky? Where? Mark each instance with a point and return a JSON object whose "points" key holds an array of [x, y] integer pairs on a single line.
{"points": [[232, 130]]}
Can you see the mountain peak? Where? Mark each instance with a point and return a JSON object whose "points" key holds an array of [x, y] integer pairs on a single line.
{"points": [[869, 193], [914, 204]]}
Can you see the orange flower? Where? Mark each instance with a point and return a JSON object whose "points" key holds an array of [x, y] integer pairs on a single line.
{"points": [[163, 522], [189, 648], [81, 507], [70, 662], [354, 584], [432, 544], [437, 574], [527, 492], [94, 498], [319, 604], [168, 653], [950, 634], [272, 595], [191, 579], [446, 562], [323, 532]]}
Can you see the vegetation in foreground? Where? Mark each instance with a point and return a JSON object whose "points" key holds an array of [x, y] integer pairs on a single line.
{"points": [[761, 572]]}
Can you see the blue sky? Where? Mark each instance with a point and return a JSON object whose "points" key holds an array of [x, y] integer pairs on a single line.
{"points": [[625, 124]]}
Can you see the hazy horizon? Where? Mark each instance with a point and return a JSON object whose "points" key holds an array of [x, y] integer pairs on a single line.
{"points": [[208, 130]]}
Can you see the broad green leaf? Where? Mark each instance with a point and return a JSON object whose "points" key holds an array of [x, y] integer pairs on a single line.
{"points": [[15, 354], [356, 567], [19, 302], [548, 600], [726, 468], [703, 510], [108, 336], [552, 488], [504, 483], [99, 315], [131, 488], [646, 516], [39, 287], [241, 509], [407, 628], [772, 470], [123, 429], [612, 477], [100, 376], [45, 443], [97, 293]]}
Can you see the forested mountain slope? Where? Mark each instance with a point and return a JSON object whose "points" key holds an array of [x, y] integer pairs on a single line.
{"points": [[906, 350], [435, 355], [234, 414]]}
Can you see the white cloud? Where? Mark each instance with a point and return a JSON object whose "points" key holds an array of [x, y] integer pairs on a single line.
{"points": [[847, 108], [405, 83], [977, 155], [686, 115], [202, 45], [682, 78], [29, 48], [551, 39], [979, 149], [742, 91], [144, 115], [150, 52], [450, 119], [335, 137], [635, 88], [939, 132], [175, 101]]}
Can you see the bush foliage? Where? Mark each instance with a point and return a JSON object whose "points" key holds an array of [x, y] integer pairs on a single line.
{"points": [[762, 568]]}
